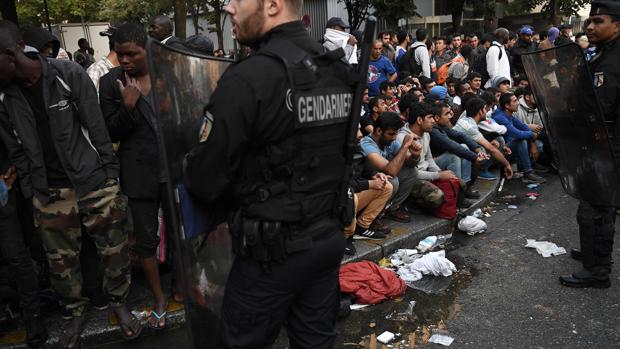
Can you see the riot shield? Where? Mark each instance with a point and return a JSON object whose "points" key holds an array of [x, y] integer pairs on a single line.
{"points": [[579, 134], [182, 83]]}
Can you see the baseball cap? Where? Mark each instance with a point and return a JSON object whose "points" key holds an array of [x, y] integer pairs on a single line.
{"points": [[336, 22], [526, 31]]}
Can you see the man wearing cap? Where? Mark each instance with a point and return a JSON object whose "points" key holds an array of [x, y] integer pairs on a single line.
{"points": [[336, 37], [596, 223], [566, 34], [523, 46], [103, 66]]}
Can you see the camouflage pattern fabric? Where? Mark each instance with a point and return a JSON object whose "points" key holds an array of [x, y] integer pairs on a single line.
{"points": [[425, 194], [103, 214]]}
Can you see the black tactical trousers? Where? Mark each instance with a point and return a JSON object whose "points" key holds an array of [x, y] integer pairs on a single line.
{"points": [[17, 255], [302, 294], [596, 235]]}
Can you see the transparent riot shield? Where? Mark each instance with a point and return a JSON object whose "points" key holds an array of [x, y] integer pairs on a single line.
{"points": [[580, 136], [182, 83]]}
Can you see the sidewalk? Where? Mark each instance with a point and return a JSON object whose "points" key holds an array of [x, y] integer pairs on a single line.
{"points": [[103, 329]]}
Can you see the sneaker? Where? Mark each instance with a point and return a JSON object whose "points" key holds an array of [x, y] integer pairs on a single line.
{"points": [[532, 177], [470, 193], [486, 175], [367, 234], [349, 248]]}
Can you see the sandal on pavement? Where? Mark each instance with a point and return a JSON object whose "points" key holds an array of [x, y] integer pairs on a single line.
{"points": [[71, 338], [128, 323], [156, 325]]}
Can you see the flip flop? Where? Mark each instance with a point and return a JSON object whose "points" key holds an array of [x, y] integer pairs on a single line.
{"points": [[158, 317], [134, 326]]}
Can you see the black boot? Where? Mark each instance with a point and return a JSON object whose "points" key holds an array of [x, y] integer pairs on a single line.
{"points": [[576, 254], [585, 278]]}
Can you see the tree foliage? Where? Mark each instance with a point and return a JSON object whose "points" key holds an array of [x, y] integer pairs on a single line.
{"points": [[33, 11], [357, 11], [554, 8], [393, 10], [139, 11]]}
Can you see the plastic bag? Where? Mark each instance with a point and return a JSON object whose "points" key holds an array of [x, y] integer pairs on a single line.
{"points": [[472, 225]]}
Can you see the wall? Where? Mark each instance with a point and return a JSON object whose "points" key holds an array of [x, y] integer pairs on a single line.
{"points": [[70, 33]]}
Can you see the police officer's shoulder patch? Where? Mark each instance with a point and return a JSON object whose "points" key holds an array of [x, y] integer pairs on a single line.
{"points": [[599, 79], [320, 107]]}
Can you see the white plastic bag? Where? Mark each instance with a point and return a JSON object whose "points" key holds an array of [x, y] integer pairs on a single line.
{"points": [[472, 225], [545, 248]]}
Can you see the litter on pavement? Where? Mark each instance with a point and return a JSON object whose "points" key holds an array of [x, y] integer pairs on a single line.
{"points": [[512, 206], [385, 337], [533, 185], [434, 263], [441, 339], [472, 225], [545, 248]]}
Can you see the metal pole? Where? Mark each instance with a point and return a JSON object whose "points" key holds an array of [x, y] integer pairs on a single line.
{"points": [[47, 16]]}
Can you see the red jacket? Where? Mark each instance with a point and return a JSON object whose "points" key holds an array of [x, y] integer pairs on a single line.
{"points": [[370, 283]]}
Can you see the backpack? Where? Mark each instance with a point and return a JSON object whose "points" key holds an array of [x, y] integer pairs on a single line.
{"points": [[480, 64], [450, 189], [442, 72], [407, 64]]}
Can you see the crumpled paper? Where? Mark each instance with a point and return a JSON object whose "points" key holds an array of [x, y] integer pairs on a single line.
{"points": [[545, 248]]}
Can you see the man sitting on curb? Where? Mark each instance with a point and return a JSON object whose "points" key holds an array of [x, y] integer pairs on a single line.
{"points": [[424, 193], [518, 136], [453, 150], [528, 114], [377, 106], [385, 154], [476, 112]]}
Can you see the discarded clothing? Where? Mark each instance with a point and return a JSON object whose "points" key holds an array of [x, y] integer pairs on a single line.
{"points": [[434, 263], [370, 283], [545, 248]]}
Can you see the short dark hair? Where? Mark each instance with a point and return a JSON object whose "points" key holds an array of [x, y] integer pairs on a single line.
{"points": [[131, 32], [437, 108], [492, 90], [388, 120], [512, 35], [466, 98], [520, 78], [488, 97], [7, 41], [451, 80], [459, 86], [466, 51], [442, 38], [518, 92], [81, 41], [421, 34], [474, 106], [385, 84], [406, 101], [425, 80], [401, 36], [374, 101], [488, 37], [419, 110], [165, 22], [527, 91], [505, 99], [473, 75]]}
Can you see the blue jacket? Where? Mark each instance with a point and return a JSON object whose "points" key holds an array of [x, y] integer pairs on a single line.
{"points": [[447, 140], [516, 128]]}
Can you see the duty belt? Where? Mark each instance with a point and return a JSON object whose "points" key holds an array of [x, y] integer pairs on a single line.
{"points": [[268, 241]]}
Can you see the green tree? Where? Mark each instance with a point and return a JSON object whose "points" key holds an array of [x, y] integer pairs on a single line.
{"points": [[216, 16], [33, 12], [393, 10], [357, 11], [555, 9], [139, 11], [197, 8]]}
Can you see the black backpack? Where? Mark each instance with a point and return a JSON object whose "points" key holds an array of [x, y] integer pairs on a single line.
{"points": [[407, 64], [480, 63]]}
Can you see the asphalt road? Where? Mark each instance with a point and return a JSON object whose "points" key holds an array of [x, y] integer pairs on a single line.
{"points": [[506, 295]]}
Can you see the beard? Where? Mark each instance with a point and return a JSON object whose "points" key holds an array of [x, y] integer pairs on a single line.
{"points": [[248, 31]]}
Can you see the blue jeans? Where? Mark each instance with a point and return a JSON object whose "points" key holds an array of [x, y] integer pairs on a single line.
{"points": [[521, 150], [461, 167]]}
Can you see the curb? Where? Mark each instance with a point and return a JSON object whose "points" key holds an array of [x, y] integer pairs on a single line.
{"points": [[404, 235], [407, 235]]}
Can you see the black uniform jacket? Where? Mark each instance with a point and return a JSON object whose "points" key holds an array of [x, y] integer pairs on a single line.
{"points": [[136, 132], [249, 111], [606, 69]]}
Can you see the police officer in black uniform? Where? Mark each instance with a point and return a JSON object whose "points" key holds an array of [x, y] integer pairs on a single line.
{"points": [[272, 149], [596, 223]]}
